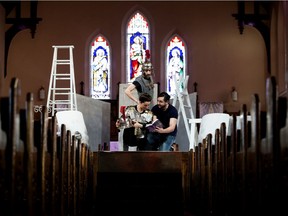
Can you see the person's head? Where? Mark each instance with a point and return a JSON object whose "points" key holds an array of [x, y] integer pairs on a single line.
{"points": [[137, 40], [175, 53], [147, 69], [163, 100], [145, 100], [100, 52]]}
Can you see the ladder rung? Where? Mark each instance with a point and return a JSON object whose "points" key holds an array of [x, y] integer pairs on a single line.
{"points": [[60, 89], [61, 108], [63, 62], [61, 74], [64, 109], [62, 93], [63, 46], [63, 78], [62, 102], [58, 101]]}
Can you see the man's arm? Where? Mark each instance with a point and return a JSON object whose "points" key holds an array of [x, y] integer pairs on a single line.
{"points": [[171, 128], [128, 92]]}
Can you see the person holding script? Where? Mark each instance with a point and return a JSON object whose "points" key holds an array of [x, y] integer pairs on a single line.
{"points": [[163, 136]]}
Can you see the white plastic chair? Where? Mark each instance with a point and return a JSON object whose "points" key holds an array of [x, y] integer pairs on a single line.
{"points": [[74, 122], [210, 122]]}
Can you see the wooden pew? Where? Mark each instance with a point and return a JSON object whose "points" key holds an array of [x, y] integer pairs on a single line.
{"points": [[283, 167], [13, 140], [269, 150], [242, 174], [241, 162], [195, 181], [220, 171], [29, 156], [252, 194], [231, 167], [40, 173], [250, 172], [203, 195], [140, 183]]}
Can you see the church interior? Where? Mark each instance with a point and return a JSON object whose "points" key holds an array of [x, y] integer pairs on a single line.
{"points": [[235, 66]]}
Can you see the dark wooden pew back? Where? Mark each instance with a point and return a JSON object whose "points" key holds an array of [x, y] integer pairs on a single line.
{"points": [[41, 174]]}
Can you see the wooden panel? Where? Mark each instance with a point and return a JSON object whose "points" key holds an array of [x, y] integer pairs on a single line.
{"points": [[142, 182], [141, 161]]}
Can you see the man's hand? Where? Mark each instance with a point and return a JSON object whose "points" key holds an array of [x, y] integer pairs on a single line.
{"points": [[159, 130], [137, 124]]}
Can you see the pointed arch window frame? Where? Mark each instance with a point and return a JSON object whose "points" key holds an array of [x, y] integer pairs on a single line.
{"points": [[137, 28], [100, 88], [175, 66]]}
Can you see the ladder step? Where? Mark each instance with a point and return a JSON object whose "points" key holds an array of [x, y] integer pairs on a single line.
{"points": [[63, 46], [63, 89], [64, 109], [63, 62], [62, 93], [67, 78], [187, 106], [62, 74], [61, 102], [62, 79]]}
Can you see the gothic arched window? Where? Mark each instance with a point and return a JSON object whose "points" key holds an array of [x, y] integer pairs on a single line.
{"points": [[100, 74], [138, 40], [175, 64]]}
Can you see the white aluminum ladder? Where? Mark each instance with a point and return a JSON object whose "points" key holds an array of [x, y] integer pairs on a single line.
{"points": [[184, 104], [62, 90]]}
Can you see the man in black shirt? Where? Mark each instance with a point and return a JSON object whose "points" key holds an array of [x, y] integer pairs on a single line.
{"points": [[163, 138]]}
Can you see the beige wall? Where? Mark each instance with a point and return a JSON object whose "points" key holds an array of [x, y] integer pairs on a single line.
{"points": [[218, 56]]}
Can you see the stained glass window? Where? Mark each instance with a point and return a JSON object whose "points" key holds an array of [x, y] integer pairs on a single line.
{"points": [[175, 64], [100, 69], [138, 40]]}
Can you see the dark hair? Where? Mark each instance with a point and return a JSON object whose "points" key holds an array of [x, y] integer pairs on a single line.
{"points": [[145, 97], [165, 95]]}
